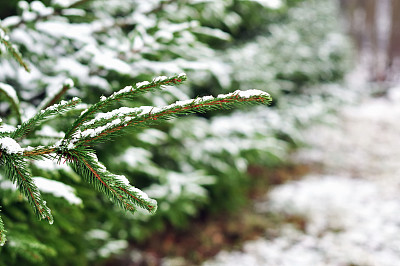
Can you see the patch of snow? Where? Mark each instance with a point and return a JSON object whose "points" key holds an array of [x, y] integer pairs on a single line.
{"points": [[273, 4], [7, 184], [122, 179], [7, 89], [6, 128], [48, 131], [68, 82], [41, 9], [50, 165], [73, 68], [350, 209], [112, 247], [73, 12], [124, 90], [142, 84], [64, 3], [58, 29], [28, 15], [111, 62], [135, 157], [160, 79], [98, 234], [10, 21], [9, 145], [140, 193], [152, 136], [57, 189]]}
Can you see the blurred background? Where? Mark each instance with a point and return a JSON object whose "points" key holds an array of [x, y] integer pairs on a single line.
{"points": [[287, 184]]}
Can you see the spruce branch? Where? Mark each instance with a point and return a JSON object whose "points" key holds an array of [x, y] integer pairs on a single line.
{"points": [[128, 92], [42, 115], [16, 170], [30, 248], [93, 125], [12, 49], [104, 125], [38, 152], [116, 188]]}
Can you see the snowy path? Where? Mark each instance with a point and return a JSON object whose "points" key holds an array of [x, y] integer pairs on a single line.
{"points": [[352, 208]]}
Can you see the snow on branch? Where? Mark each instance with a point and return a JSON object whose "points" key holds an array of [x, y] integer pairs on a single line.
{"points": [[126, 93], [115, 187], [42, 115], [57, 189], [91, 126], [106, 124], [12, 49], [9, 145]]}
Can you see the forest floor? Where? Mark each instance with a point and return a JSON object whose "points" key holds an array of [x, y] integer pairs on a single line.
{"points": [[348, 205]]}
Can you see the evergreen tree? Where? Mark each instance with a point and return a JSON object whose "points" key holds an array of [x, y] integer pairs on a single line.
{"points": [[93, 126]]}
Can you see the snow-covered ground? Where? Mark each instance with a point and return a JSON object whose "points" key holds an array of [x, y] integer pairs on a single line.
{"points": [[351, 207]]}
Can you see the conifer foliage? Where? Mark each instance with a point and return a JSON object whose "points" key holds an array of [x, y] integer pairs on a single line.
{"points": [[96, 123]]}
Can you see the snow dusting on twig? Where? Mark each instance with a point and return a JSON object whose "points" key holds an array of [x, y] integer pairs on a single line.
{"points": [[9, 91], [9, 145]]}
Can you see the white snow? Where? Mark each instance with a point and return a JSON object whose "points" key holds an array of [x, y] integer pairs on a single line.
{"points": [[273, 4], [68, 82], [64, 3], [252, 93], [9, 91], [176, 185], [7, 184], [9, 145], [122, 178], [10, 21], [41, 9], [135, 156], [6, 128], [57, 189], [73, 12], [140, 193], [142, 84], [98, 234], [160, 78], [51, 165], [126, 89], [244, 94], [28, 15], [152, 136], [79, 32], [109, 60], [73, 67]]}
